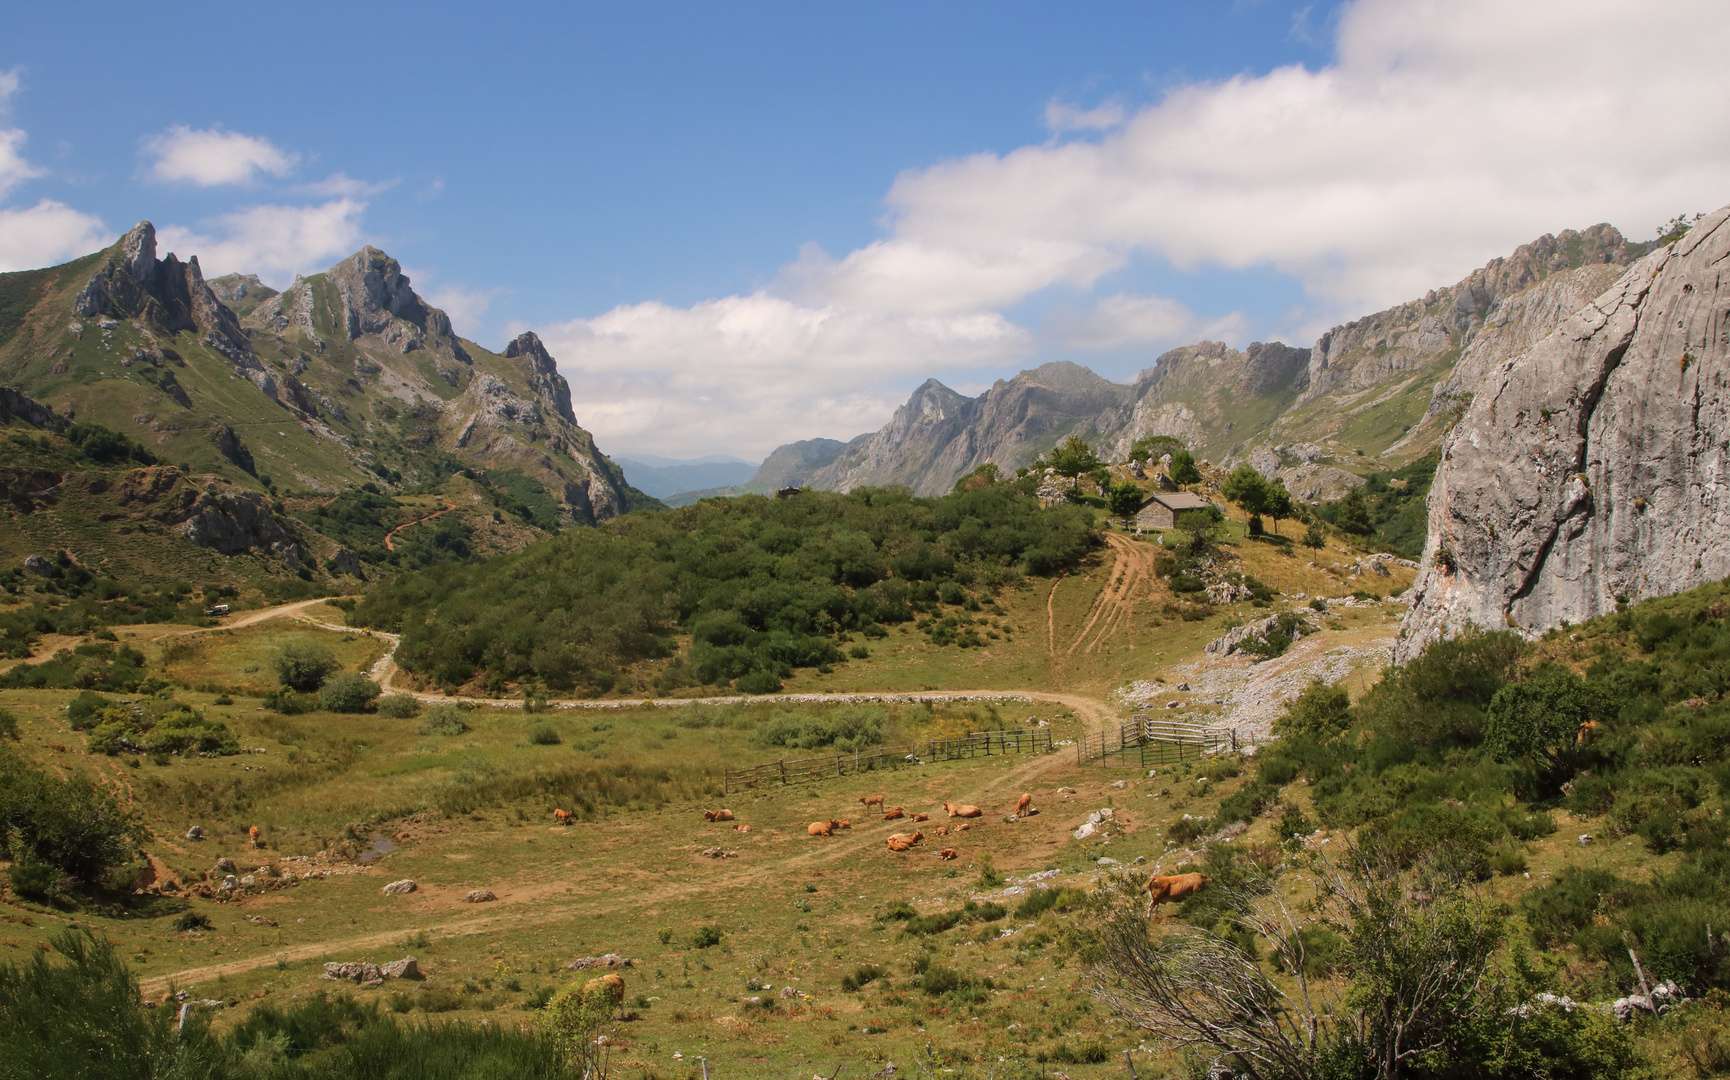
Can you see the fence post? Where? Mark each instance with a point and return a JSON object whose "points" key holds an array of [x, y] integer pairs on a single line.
{"points": [[783, 770]]}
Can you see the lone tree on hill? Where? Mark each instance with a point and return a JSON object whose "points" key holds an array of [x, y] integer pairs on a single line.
{"points": [[1248, 488], [1353, 515], [1183, 470], [1074, 458], [1125, 500], [1279, 503]]}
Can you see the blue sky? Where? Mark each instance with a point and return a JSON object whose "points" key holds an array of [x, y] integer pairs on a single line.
{"points": [[742, 224]]}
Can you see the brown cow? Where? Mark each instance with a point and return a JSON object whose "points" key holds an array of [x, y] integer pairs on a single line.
{"points": [[962, 828], [252, 834], [946, 854], [843, 823], [903, 841], [741, 828], [717, 815], [821, 828], [1023, 804], [1588, 732], [893, 814], [920, 817], [608, 989], [871, 800], [1173, 889], [962, 810], [941, 830], [563, 817]]}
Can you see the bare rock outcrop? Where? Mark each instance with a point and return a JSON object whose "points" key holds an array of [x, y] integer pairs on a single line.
{"points": [[1592, 467]]}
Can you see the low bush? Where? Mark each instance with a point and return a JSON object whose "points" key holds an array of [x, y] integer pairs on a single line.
{"points": [[862, 976], [706, 937], [348, 692], [544, 735], [304, 666], [399, 706], [442, 720]]}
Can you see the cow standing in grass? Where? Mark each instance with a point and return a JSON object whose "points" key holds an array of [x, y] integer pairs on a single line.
{"points": [[1173, 889]]}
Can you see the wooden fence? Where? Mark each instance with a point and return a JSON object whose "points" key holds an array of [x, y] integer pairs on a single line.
{"points": [[808, 770], [1147, 741]]}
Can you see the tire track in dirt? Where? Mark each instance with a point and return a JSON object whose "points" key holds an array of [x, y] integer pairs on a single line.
{"points": [[1131, 574]]}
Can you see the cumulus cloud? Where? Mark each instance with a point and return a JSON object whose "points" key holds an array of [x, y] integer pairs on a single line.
{"points": [[1061, 116], [212, 157], [274, 242], [47, 233], [752, 372], [1124, 321], [464, 306], [1426, 148], [14, 170]]}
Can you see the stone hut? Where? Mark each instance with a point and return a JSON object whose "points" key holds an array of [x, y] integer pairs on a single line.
{"points": [[1161, 510]]}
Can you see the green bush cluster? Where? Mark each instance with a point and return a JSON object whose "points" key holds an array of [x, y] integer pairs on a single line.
{"points": [[854, 727], [96, 664], [762, 586], [158, 727], [52, 828], [442, 720]]}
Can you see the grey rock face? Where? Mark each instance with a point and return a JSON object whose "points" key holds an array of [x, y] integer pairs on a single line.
{"points": [[543, 373], [233, 522], [1594, 465], [398, 888], [41, 567], [168, 294]]}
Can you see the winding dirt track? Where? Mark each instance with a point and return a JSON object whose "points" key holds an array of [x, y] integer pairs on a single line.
{"points": [[390, 536]]}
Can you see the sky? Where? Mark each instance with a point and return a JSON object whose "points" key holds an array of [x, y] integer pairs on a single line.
{"points": [[737, 225]]}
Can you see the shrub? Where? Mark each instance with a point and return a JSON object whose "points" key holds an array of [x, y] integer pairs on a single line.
{"points": [[191, 920], [71, 825], [349, 692], [289, 703], [848, 728], [862, 976], [81, 711], [1186, 829], [544, 735], [760, 681], [706, 937], [304, 666], [399, 706], [442, 720], [1321, 711], [1042, 899]]}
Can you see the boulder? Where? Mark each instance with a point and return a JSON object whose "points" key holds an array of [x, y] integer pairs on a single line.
{"points": [[406, 968], [479, 896], [605, 960], [41, 567], [358, 971], [225, 864], [399, 888], [195, 833]]}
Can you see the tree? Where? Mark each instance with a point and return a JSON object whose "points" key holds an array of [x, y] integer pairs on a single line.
{"points": [[1125, 500], [1248, 488], [981, 477], [1353, 515], [1183, 469], [1315, 536], [1199, 530], [1279, 503], [1154, 447], [1540, 717], [1074, 458], [304, 666]]}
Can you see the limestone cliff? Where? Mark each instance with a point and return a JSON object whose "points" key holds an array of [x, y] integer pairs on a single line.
{"points": [[1594, 466]]}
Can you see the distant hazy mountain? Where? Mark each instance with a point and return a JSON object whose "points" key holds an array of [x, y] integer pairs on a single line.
{"points": [[663, 477]]}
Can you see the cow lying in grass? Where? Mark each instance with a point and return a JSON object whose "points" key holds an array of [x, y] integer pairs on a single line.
{"points": [[962, 810], [717, 815], [904, 841]]}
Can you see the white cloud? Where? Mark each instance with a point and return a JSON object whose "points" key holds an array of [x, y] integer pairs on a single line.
{"points": [[751, 372], [1060, 116], [47, 233], [8, 86], [344, 185], [14, 170], [464, 306], [211, 157], [1122, 320], [274, 242], [1426, 148]]}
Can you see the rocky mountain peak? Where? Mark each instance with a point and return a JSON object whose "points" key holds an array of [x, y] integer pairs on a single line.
{"points": [[169, 295], [138, 252], [527, 346], [374, 290]]}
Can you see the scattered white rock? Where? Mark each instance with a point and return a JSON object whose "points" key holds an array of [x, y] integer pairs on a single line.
{"points": [[479, 896], [399, 888]]}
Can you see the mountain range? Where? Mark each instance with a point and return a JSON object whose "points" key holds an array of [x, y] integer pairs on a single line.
{"points": [[1376, 392]]}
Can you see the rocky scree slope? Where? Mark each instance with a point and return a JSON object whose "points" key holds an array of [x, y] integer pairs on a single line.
{"points": [[1592, 468]]}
